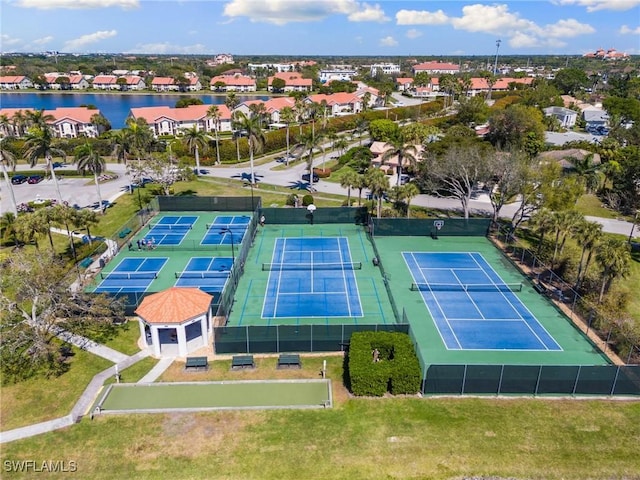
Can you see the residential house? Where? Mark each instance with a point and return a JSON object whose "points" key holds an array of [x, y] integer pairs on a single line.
{"points": [[375, 100], [386, 68], [436, 67], [194, 84], [481, 85], [273, 107], [134, 82], [173, 121], [341, 103], [105, 82], [293, 82], [596, 120], [164, 84], [58, 81], [68, 122], [220, 59], [389, 166], [15, 82], [233, 83], [278, 67], [404, 83], [343, 75], [565, 116]]}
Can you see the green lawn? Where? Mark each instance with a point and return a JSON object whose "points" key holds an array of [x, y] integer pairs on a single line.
{"points": [[126, 338], [591, 205], [40, 399], [389, 438], [135, 372]]}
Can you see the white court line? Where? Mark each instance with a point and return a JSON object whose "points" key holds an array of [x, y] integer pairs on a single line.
{"points": [[455, 337], [355, 280], [521, 303], [453, 271]]}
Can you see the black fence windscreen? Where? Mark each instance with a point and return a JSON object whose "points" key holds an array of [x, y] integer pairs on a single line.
{"points": [[602, 380], [301, 216], [207, 204], [452, 227]]}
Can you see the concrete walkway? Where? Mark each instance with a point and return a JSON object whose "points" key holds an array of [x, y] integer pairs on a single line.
{"points": [[156, 371], [90, 346]]}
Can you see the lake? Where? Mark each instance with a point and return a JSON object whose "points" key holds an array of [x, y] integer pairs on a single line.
{"points": [[113, 106]]}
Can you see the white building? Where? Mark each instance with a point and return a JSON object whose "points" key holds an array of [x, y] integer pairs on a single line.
{"points": [[337, 75], [386, 68]]}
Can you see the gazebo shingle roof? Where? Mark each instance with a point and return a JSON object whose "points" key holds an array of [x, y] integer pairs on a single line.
{"points": [[174, 305]]}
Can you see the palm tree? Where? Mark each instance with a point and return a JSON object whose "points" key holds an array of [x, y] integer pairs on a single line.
{"points": [[195, 140], [348, 181], [8, 227], [8, 160], [615, 259], [19, 123], [48, 217], [563, 222], [410, 191], [255, 136], [232, 102], [85, 219], [121, 145], [587, 171], [287, 116], [214, 114], [259, 110], [87, 159], [404, 151], [311, 112], [588, 235], [30, 227], [360, 185], [361, 126], [341, 145], [378, 183], [39, 143], [542, 223], [308, 143], [299, 109], [38, 119]]}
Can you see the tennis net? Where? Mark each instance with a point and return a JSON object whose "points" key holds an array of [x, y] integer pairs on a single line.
{"points": [[460, 287], [203, 274], [312, 266], [175, 226], [129, 275]]}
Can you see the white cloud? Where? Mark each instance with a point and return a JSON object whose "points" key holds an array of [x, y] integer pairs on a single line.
{"points": [[568, 28], [281, 12], [388, 42], [498, 20], [625, 30], [43, 40], [413, 33], [417, 17], [79, 43], [595, 5], [167, 48], [77, 4], [369, 13], [6, 40]]}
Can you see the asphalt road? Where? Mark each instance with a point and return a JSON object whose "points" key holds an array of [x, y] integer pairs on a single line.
{"points": [[82, 191]]}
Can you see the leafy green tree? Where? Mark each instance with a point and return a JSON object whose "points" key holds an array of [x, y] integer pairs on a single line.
{"points": [[383, 130], [87, 159], [277, 85], [472, 110], [626, 109], [37, 307], [419, 133], [39, 143], [31, 227], [214, 114], [186, 101], [287, 116], [563, 224], [542, 223], [509, 172], [510, 127], [625, 190], [309, 143], [256, 138], [571, 80], [8, 227]]}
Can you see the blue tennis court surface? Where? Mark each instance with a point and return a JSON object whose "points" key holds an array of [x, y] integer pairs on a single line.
{"points": [[311, 277], [226, 230], [471, 305], [170, 230], [131, 275], [209, 274]]}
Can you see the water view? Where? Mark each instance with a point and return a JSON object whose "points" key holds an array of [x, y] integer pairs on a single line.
{"points": [[113, 106]]}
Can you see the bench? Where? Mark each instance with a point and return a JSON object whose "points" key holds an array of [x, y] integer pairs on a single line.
{"points": [[196, 363], [86, 262], [289, 360], [239, 362], [124, 233], [539, 287]]}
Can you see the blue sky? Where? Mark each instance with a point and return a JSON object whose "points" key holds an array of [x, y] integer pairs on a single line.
{"points": [[319, 27]]}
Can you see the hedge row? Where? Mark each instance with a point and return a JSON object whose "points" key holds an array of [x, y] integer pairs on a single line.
{"points": [[396, 370]]}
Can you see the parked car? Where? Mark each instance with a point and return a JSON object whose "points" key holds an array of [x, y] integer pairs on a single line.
{"points": [[404, 179], [18, 179], [306, 177], [203, 171], [33, 179], [96, 206], [59, 164]]}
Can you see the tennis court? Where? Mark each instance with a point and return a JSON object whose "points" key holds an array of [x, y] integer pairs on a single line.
{"points": [[210, 274], [169, 230], [472, 306], [226, 230], [311, 277], [194, 396], [131, 275]]}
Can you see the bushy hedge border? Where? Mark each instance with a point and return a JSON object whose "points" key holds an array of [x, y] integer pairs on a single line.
{"points": [[397, 371]]}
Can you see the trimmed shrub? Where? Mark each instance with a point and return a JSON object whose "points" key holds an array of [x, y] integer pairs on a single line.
{"points": [[307, 200], [381, 362]]}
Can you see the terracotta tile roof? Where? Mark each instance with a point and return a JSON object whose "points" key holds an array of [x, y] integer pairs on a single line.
{"points": [[132, 80], [340, 98], [77, 114], [436, 66], [233, 80], [12, 79], [174, 305], [404, 80], [162, 81], [10, 112], [105, 79], [292, 79], [192, 112]]}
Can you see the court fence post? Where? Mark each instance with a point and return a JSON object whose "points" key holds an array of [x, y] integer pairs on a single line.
{"points": [[538, 380], [615, 381], [500, 381], [246, 332], [464, 379], [575, 383], [311, 338], [277, 339]]}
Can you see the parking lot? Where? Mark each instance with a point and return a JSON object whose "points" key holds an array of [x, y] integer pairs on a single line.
{"points": [[80, 191]]}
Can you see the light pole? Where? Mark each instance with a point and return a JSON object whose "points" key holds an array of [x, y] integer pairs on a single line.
{"points": [[233, 251], [633, 225], [495, 64]]}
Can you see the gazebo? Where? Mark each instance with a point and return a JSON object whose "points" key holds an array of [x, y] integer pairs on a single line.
{"points": [[176, 321]]}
